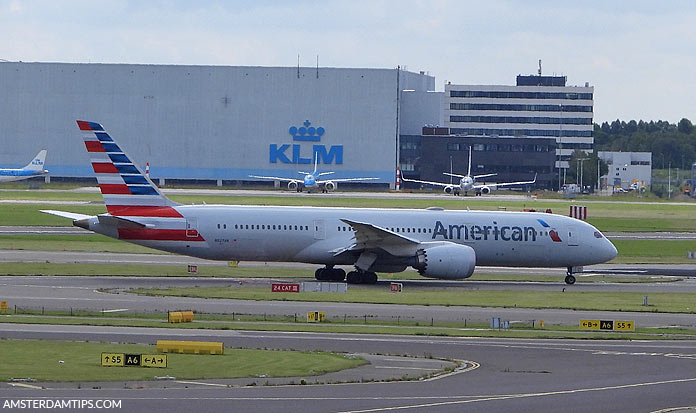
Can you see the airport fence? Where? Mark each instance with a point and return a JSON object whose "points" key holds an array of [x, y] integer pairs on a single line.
{"points": [[243, 317]]}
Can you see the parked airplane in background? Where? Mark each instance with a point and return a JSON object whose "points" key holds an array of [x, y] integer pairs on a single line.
{"points": [[33, 168], [467, 182], [311, 181], [438, 243]]}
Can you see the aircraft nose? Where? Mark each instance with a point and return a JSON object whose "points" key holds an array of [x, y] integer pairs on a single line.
{"points": [[610, 251]]}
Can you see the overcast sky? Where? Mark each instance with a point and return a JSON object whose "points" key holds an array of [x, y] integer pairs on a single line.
{"points": [[639, 55]]}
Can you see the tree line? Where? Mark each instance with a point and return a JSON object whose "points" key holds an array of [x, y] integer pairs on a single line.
{"points": [[671, 144]]}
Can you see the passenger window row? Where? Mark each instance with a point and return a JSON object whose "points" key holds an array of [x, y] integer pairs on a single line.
{"points": [[277, 227]]}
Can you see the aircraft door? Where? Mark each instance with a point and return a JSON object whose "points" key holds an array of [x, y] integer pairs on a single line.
{"points": [[573, 236], [319, 229], [191, 227]]}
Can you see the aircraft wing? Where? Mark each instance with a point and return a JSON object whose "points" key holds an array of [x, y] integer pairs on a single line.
{"points": [[275, 178], [369, 236], [428, 182], [492, 186], [323, 181]]}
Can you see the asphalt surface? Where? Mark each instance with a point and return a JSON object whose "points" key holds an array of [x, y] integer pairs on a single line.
{"points": [[505, 375], [87, 293]]}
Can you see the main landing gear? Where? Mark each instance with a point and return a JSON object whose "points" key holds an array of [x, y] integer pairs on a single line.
{"points": [[570, 278], [330, 274], [361, 277]]}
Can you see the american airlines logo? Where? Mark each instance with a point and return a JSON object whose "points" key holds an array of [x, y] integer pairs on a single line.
{"points": [[489, 232], [296, 153]]}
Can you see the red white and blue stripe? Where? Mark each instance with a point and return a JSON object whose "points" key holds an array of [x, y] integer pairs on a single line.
{"points": [[128, 192]]}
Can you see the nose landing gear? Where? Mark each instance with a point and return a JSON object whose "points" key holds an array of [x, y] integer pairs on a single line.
{"points": [[570, 278]]}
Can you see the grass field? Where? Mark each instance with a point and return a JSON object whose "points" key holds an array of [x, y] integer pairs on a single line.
{"points": [[334, 325], [601, 301], [39, 360]]}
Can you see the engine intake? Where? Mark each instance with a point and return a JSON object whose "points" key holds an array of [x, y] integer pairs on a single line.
{"points": [[292, 185], [446, 260]]}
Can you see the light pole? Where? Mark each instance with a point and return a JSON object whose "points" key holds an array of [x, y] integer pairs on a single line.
{"points": [[581, 160]]}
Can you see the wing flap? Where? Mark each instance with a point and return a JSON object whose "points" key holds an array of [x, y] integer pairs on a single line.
{"points": [[371, 237]]}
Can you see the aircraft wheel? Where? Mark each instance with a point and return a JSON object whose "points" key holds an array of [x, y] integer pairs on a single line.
{"points": [[337, 274], [354, 277], [570, 279], [370, 278], [320, 274]]}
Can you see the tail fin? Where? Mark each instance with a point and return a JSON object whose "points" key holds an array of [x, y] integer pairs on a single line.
{"points": [[37, 164], [126, 190]]}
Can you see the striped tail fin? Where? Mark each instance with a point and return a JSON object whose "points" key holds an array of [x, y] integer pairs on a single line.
{"points": [[126, 190]]}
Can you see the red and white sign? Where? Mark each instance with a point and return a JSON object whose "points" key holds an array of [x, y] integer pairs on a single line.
{"points": [[285, 288], [192, 269], [398, 178], [578, 211], [396, 287]]}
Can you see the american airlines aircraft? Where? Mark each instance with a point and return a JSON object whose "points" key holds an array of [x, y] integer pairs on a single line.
{"points": [[467, 182], [311, 181], [438, 243], [33, 168]]}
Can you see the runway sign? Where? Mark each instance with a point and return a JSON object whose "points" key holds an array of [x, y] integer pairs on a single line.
{"points": [[610, 325], [624, 326], [3, 305], [285, 288], [112, 359], [316, 316], [133, 360], [396, 287], [153, 360], [192, 269]]}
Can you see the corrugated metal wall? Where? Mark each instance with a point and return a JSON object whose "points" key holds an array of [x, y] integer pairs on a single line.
{"points": [[201, 122]]}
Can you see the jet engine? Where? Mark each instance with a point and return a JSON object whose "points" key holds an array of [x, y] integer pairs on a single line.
{"points": [[292, 185], [485, 190], [446, 260], [330, 186], [449, 189]]}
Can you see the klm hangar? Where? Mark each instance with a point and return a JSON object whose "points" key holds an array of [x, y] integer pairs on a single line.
{"points": [[217, 123]]}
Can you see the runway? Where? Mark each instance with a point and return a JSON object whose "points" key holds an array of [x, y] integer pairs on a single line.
{"points": [[512, 374]]}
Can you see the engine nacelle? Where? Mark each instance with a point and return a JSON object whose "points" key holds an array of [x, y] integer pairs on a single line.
{"points": [[446, 260], [292, 185], [449, 189], [330, 186], [485, 190]]}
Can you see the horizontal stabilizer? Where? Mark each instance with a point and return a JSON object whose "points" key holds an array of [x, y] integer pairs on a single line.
{"points": [[119, 222], [69, 215]]}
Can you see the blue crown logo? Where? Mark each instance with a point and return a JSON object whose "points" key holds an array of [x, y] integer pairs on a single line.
{"points": [[306, 132]]}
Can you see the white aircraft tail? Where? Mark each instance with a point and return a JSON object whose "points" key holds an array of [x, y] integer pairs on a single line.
{"points": [[37, 164], [126, 190]]}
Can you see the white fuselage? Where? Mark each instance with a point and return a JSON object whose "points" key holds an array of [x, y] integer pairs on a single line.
{"points": [[313, 235]]}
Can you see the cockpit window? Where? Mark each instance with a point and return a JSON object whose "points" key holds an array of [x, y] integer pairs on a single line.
{"points": [[598, 234]]}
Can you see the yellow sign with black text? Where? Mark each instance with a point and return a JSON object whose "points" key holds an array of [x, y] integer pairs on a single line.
{"points": [[316, 316], [112, 359], [624, 326], [610, 325], [153, 360]]}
